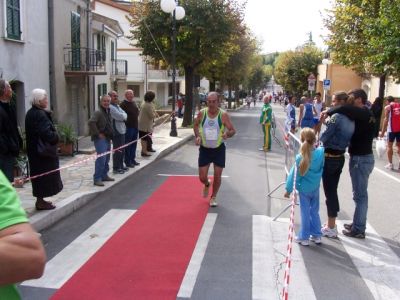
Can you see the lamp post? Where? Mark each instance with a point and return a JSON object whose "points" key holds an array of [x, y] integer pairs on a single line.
{"points": [[326, 63], [178, 13]]}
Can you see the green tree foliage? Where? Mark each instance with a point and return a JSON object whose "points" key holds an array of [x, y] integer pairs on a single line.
{"points": [[204, 36], [292, 68]]}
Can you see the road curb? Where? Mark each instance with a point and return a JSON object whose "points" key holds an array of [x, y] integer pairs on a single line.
{"points": [[44, 219]]}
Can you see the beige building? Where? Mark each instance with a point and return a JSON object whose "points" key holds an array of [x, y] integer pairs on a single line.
{"points": [[341, 79]]}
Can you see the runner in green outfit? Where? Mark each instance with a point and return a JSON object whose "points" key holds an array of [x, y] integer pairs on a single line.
{"points": [[265, 121]]}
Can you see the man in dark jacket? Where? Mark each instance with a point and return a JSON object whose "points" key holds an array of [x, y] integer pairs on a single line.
{"points": [[131, 135], [100, 129], [10, 139]]}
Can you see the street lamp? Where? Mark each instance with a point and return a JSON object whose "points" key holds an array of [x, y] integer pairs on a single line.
{"points": [[178, 13], [326, 62]]}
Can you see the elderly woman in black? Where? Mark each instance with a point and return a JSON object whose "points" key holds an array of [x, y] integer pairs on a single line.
{"points": [[41, 144]]}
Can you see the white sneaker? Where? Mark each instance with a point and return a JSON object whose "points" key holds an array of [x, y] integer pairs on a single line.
{"points": [[213, 202], [389, 166], [302, 242], [316, 239], [329, 232]]}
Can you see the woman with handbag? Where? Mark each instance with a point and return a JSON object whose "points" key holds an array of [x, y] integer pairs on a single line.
{"points": [[41, 145]]}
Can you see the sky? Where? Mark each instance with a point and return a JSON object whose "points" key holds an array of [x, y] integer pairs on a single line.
{"points": [[283, 25]]}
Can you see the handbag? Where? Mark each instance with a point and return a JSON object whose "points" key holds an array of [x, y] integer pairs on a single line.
{"points": [[46, 149], [380, 147]]}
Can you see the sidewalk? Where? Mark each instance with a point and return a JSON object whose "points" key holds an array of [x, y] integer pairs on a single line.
{"points": [[78, 179]]}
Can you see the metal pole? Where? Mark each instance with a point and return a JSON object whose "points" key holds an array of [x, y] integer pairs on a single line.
{"points": [[325, 90], [173, 62]]}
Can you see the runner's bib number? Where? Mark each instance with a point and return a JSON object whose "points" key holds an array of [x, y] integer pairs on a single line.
{"points": [[211, 134]]}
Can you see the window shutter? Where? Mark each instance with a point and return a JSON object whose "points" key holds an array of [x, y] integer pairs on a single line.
{"points": [[13, 19], [112, 51], [75, 40]]}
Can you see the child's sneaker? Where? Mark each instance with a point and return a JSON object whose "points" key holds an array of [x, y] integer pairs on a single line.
{"points": [[389, 166], [206, 188], [316, 239], [329, 232], [302, 242]]}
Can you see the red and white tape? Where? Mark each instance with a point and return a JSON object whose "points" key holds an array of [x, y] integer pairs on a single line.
{"points": [[79, 162]]}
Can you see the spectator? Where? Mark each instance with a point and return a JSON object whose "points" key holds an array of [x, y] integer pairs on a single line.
{"points": [[10, 139], [39, 127], [361, 158], [118, 117], [132, 131], [377, 108], [22, 255], [336, 138], [100, 129], [179, 103], [310, 163], [391, 124], [146, 120]]}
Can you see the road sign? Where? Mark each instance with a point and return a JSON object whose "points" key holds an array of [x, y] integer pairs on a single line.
{"points": [[311, 85], [311, 82], [327, 84]]}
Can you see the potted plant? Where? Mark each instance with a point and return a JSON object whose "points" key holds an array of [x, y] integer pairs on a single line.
{"points": [[67, 137]]}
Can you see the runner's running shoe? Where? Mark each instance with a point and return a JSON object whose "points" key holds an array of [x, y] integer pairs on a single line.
{"points": [[213, 202], [206, 188]]}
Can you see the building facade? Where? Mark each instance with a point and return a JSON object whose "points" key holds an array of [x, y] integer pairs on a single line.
{"points": [[24, 50]]}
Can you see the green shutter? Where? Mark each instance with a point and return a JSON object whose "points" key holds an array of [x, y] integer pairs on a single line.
{"points": [[99, 90], [104, 88], [13, 19], [76, 40]]}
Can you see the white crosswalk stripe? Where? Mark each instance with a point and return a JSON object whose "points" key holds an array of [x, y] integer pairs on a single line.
{"points": [[376, 262], [61, 267]]}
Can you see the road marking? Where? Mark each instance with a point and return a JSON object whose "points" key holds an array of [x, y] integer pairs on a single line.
{"points": [[388, 175], [62, 266], [270, 239], [376, 262], [186, 175], [192, 271]]}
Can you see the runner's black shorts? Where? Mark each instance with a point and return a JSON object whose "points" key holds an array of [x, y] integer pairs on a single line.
{"points": [[212, 155]]}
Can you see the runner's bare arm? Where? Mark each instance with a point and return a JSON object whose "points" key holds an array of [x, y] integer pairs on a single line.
{"points": [[230, 132], [300, 114], [22, 255], [196, 128], [385, 121]]}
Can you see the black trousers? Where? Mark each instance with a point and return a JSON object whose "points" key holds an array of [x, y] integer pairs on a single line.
{"points": [[330, 179]]}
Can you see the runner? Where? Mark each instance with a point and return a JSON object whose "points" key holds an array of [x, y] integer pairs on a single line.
{"points": [[265, 121], [209, 130]]}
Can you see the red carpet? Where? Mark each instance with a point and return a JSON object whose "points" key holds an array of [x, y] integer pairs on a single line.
{"points": [[147, 258]]}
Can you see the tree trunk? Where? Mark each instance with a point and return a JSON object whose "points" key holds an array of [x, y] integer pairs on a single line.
{"points": [[187, 115], [212, 85], [382, 83]]}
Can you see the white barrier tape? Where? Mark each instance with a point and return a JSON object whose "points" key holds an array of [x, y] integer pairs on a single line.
{"points": [[91, 157]]}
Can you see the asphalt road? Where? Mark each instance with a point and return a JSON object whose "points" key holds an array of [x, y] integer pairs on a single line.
{"points": [[329, 271]]}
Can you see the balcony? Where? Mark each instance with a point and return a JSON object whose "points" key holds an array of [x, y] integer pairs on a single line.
{"points": [[84, 61], [119, 69]]}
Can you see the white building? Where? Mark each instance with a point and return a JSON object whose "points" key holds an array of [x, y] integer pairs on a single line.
{"points": [[141, 76], [24, 49]]}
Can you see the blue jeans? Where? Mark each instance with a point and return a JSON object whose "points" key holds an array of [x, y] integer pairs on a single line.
{"points": [[309, 210], [101, 165], [330, 179], [360, 168], [130, 151]]}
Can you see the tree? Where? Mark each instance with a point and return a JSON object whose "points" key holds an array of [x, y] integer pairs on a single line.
{"points": [[364, 35], [292, 68], [202, 36]]}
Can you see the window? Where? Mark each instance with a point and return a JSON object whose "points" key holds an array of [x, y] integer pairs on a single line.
{"points": [[13, 19], [101, 90], [101, 46], [112, 50], [76, 40], [135, 88]]}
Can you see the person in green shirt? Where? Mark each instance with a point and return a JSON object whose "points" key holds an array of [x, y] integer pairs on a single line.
{"points": [[22, 255], [265, 121]]}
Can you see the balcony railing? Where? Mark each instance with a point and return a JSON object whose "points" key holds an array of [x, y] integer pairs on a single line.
{"points": [[84, 61], [119, 68]]}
